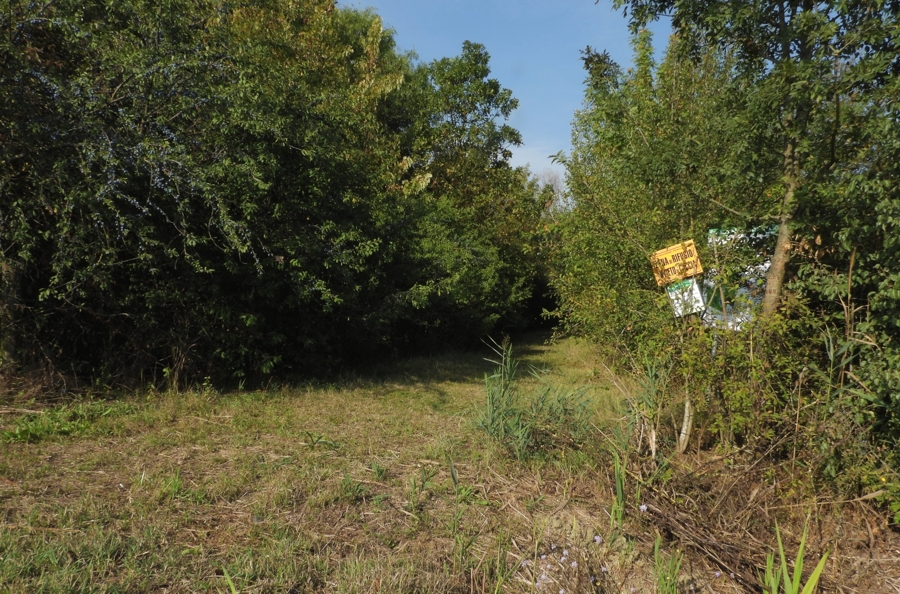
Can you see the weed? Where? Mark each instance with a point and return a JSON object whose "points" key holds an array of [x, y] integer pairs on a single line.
{"points": [[171, 487], [648, 404], [417, 485], [379, 500], [461, 545], [551, 419], [69, 420], [666, 569], [502, 568], [352, 490], [534, 503], [462, 493], [617, 514], [318, 439], [775, 578], [378, 471], [229, 581]]}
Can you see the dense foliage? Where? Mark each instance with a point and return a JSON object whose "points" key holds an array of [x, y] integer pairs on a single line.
{"points": [[776, 122], [196, 188], [658, 157]]}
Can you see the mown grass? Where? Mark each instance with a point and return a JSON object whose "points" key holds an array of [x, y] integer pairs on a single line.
{"points": [[379, 482]]}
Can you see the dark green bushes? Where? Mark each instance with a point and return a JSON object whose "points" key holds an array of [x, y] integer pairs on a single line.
{"points": [[214, 189]]}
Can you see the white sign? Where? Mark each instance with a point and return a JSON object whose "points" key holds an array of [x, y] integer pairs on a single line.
{"points": [[685, 297]]}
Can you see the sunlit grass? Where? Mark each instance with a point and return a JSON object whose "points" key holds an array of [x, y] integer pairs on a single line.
{"points": [[382, 477]]}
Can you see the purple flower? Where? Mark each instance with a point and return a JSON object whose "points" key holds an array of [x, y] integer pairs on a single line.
{"points": [[603, 569], [593, 579], [642, 507], [598, 539], [553, 547], [574, 563], [718, 574], [565, 552], [543, 556]]}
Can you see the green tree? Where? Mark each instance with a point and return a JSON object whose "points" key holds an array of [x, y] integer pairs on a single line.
{"points": [[802, 56], [658, 157], [174, 202], [481, 262], [197, 188], [824, 75]]}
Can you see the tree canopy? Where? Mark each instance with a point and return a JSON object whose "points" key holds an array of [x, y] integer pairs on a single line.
{"points": [[204, 188]]}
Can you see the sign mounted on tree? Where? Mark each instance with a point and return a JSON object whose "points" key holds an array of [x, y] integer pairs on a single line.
{"points": [[676, 262]]}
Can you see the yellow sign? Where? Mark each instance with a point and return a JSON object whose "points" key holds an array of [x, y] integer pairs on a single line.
{"points": [[675, 263]]}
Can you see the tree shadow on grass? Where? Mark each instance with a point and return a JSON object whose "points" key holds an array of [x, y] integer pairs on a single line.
{"points": [[454, 366]]}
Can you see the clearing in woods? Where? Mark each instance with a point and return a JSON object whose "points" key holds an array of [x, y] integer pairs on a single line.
{"points": [[379, 482]]}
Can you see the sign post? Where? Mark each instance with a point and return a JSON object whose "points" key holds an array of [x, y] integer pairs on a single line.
{"points": [[676, 267]]}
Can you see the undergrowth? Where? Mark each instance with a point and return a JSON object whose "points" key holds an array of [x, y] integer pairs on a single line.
{"points": [[80, 418], [545, 421]]}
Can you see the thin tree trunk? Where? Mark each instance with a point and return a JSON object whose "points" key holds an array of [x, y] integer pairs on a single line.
{"points": [[782, 255], [686, 424]]}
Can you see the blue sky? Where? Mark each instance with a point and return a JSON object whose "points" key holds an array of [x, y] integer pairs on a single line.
{"points": [[534, 47]]}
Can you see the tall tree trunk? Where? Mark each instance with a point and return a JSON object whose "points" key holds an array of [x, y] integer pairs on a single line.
{"points": [[795, 126], [782, 255]]}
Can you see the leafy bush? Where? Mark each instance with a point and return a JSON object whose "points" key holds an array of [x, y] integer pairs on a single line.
{"points": [[694, 146], [267, 186]]}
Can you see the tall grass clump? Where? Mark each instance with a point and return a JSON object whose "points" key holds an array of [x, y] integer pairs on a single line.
{"points": [[666, 569], [77, 418], [781, 580], [549, 419]]}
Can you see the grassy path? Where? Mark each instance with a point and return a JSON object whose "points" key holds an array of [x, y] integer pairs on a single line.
{"points": [[339, 488], [379, 482]]}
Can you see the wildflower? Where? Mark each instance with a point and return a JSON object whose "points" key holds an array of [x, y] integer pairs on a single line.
{"points": [[593, 579], [574, 563], [732, 575], [603, 569], [561, 591], [598, 539], [718, 574], [632, 589], [642, 507], [565, 552], [553, 547], [543, 557]]}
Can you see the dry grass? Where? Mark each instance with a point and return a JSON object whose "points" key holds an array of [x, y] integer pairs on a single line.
{"points": [[323, 488]]}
